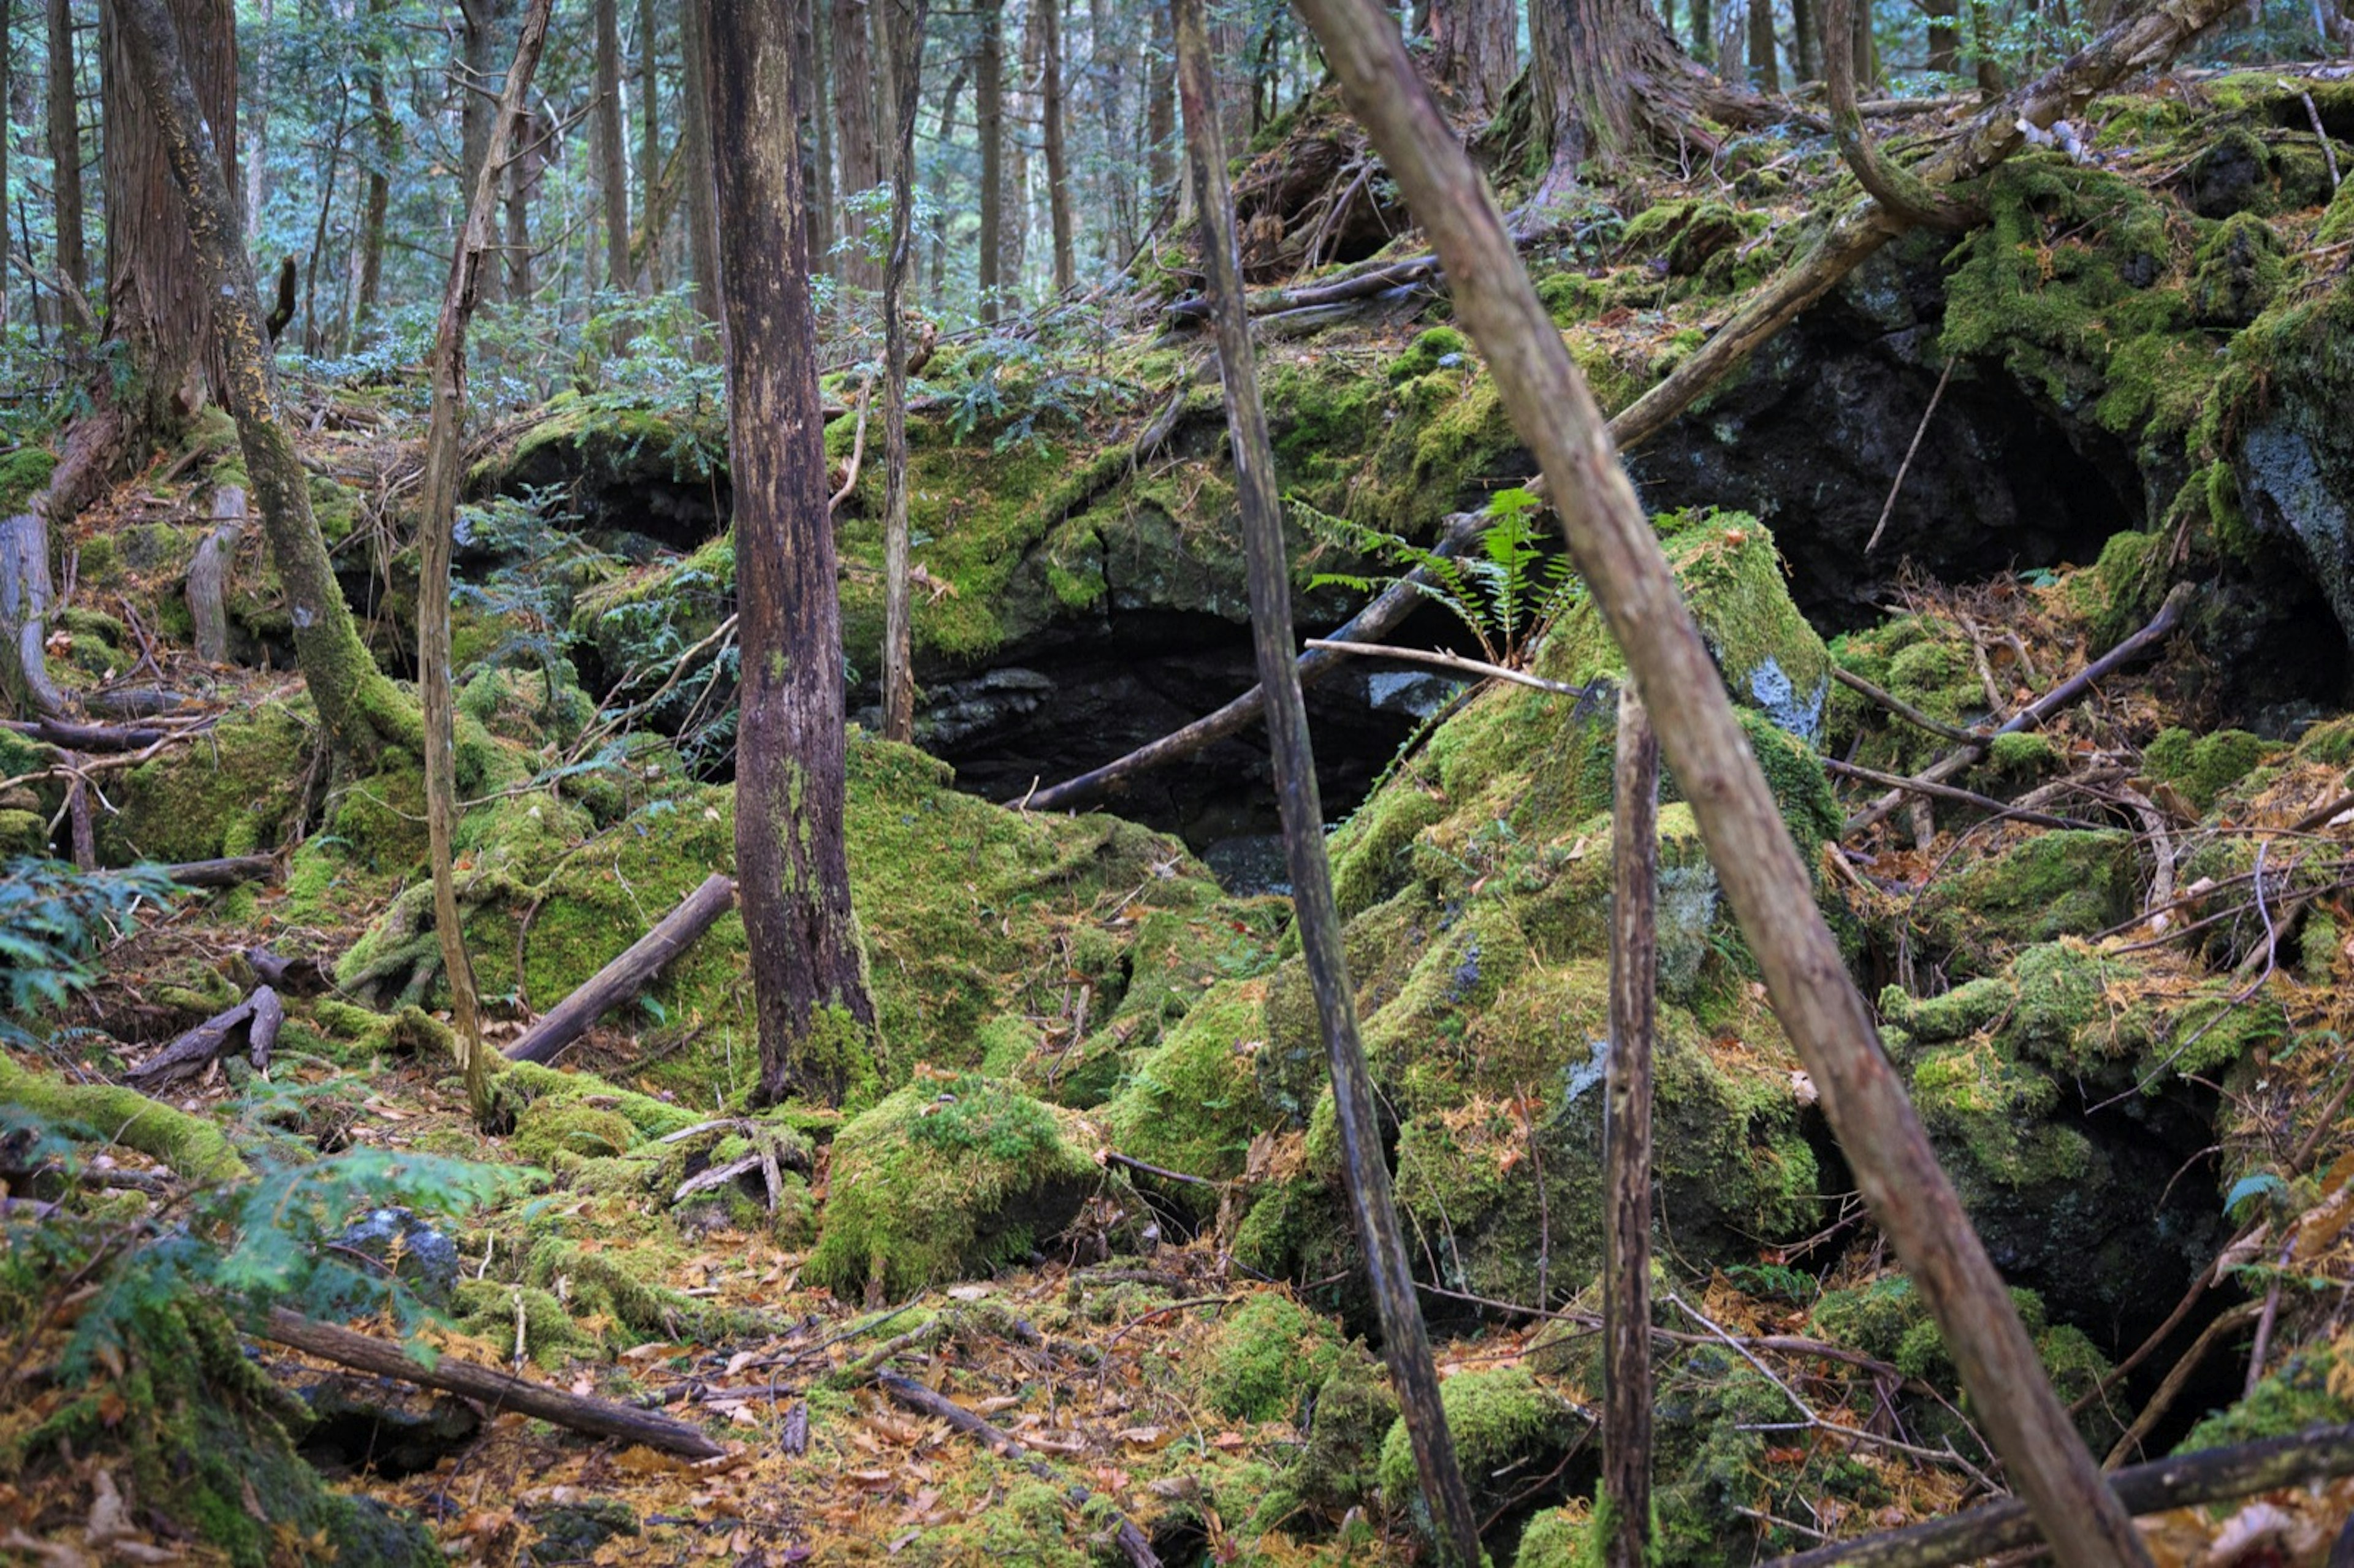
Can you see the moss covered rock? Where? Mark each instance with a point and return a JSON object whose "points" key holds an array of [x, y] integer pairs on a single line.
{"points": [[235, 793], [1502, 1420], [949, 1178]]}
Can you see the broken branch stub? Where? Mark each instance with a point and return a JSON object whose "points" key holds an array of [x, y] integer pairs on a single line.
{"points": [[1768, 886]]}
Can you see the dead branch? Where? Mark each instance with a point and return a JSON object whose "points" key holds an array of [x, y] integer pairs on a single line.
{"points": [[1949, 792], [494, 1389], [259, 1017], [226, 873], [1440, 659], [1900, 707], [627, 975]]}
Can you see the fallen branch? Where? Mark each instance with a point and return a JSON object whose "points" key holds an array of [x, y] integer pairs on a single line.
{"points": [[226, 873], [922, 1400], [1385, 613], [1305, 296], [2168, 616], [1900, 707], [259, 1017], [1442, 659], [1948, 792], [2186, 1481], [623, 979], [1896, 487], [497, 1389]]}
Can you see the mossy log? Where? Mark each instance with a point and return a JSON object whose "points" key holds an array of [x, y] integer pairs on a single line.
{"points": [[623, 979], [189, 1145]]}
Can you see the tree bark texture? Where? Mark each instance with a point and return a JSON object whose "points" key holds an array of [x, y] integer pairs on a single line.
{"points": [[1608, 81], [24, 597], [792, 876], [437, 524], [478, 22], [812, 38], [1627, 1142], [989, 124], [1806, 40], [903, 26], [1406, 1342], [208, 574], [65, 148], [938, 184], [1767, 884], [376, 200], [525, 160], [257, 167], [1160, 114], [1046, 16], [612, 148], [649, 155], [857, 145], [158, 301], [1475, 48], [358, 706], [1765, 68]]}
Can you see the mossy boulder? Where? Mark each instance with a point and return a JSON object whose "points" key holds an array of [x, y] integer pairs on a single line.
{"points": [[2067, 882], [1504, 1421], [1268, 1356], [949, 1179], [1193, 1104], [234, 793], [2203, 766]]}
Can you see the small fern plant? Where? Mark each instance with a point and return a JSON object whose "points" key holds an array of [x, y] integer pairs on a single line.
{"points": [[1506, 589], [51, 917]]}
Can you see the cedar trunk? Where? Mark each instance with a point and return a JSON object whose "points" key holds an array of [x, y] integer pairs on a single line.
{"points": [[702, 223], [903, 32], [1475, 48], [1627, 1141], [378, 200], [1608, 81], [160, 305], [649, 158], [65, 151], [792, 876], [1046, 16], [1764, 71]]}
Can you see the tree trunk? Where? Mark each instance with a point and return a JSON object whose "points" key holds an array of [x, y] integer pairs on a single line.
{"points": [[1159, 115], [903, 29], [855, 143], [649, 158], [1944, 37], [792, 878], [1627, 1142], [437, 526], [65, 151], [989, 123], [813, 38], [1867, 49], [1703, 32], [378, 200], [1020, 115], [1107, 79], [702, 224], [257, 167], [478, 22], [1475, 49], [358, 706], [1764, 70], [1046, 16], [1608, 81], [160, 305], [1806, 40], [612, 148], [938, 185], [521, 182]]}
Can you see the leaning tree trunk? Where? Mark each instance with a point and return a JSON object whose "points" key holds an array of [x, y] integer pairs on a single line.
{"points": [[357, 705], [161, 308], [792, 876]]}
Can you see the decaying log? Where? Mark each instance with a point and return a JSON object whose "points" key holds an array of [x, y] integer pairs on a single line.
{"points": [[2186, 1481], [91, 736], [917, 1397], [226, 873], [300, 977], [208, 574], [259, 1015], [1388, 609], [623, 979], [495, 1389]]}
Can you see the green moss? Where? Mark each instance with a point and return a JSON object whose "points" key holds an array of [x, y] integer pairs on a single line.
{"points": [[1558, 1538], [2294, 1396], [947, 1179], [2067, 882], [2203, 767], [236, 794], [1194, 1102], [1501, 1419], [552, 1126], [24, 474], [1268, 1356], [1423, 355], [2236, 272], [486, 1309]]}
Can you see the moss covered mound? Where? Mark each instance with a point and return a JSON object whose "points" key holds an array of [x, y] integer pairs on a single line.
{"points": [[949, 1178], [1504, 1423], [234, 793]]}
